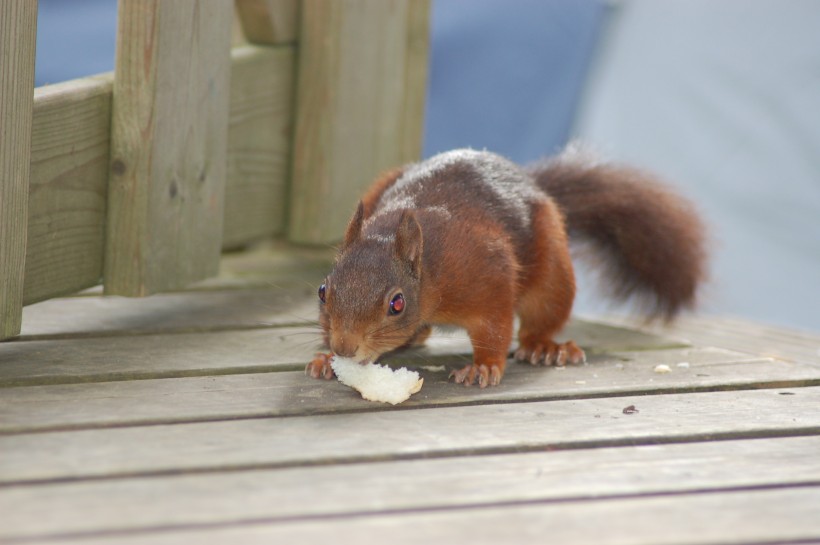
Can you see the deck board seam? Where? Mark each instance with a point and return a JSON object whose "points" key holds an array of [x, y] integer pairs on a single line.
{"points": [[434, 508], [647, 440], [762, 385]]}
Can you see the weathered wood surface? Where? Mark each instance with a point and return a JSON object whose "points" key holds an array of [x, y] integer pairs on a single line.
{"points": [[743, 336], [757, 516], [269, 22], [168, 144], [69, 187], [70, 166], [186, 417], [179, 501], [122, 400], [18, 31], [132, 347], [355, 100], [403, 434], [259, 143]]}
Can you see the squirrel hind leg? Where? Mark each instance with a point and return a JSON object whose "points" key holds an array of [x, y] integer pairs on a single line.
{"points": [[546, 295]]}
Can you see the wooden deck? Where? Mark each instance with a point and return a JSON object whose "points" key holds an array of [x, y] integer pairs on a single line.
{"points": [[187, 418]]}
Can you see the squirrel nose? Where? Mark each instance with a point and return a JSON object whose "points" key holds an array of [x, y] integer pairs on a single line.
{"points": [[344, 348]]}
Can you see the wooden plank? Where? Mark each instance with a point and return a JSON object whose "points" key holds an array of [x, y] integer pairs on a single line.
{"points": [[757, 516], [259, 349], [269, 394], [406, 434], [129, 505], [18, 31], [145, 357], [69, 187], [168, 144], [269, 22], [744, 336], [173, 312], [272, 264], [259, 143], [360, 90]]}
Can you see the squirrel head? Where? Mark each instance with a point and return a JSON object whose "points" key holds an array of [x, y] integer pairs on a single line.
{"points": [[370, 302]]}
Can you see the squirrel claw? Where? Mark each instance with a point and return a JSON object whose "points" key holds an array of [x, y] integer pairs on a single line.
{"points": [[319, 367], [551, 353], [483, 375]]}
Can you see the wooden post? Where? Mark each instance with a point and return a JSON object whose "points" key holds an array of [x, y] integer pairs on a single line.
{"points": [[168, 144], [18, 32], [360, 100]]}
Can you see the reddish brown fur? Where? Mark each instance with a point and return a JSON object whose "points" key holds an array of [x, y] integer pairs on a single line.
{"points": [[371, 197], [451, 236]]}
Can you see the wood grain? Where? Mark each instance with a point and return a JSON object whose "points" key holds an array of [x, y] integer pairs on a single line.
{"points": [[18, 31], [406, 434], [742, 335], [757, 516], [269, 22], [360, 89], [240, 393], [210, 344], [259, 143], [69, 187], [168, 145], [157, 505], [70, 158]]}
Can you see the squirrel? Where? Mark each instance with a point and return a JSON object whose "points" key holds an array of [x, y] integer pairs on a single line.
{"points": [[469, 238]]}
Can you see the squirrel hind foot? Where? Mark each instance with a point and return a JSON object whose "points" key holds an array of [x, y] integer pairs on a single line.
{"points": [[483, 375], [550, 353]]}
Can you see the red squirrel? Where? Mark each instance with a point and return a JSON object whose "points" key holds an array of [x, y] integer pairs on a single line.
{"points": [[470, 239]]}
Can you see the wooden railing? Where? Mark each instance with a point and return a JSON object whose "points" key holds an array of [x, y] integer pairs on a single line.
{"points": [[140, 178]]}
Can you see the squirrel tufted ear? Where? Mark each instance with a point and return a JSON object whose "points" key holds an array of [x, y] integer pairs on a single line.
{"points": [[354, 228], [409, 242]]}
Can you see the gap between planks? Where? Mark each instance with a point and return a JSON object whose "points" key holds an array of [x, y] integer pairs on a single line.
{"points": [[109, 408], [423, 433], [225, 352], [763, 516], [218, 500]]}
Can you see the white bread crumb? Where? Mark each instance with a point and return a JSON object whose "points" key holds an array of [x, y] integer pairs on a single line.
{"points": [[377, 382], [663, 369]]}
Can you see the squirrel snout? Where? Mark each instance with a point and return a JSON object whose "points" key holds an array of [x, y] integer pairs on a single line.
{"points": [[344, 348]]}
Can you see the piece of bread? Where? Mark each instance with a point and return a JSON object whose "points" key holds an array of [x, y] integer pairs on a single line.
{"points": [[377, 382]]}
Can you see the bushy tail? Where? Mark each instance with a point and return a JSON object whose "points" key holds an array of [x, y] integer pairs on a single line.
{"points": [[649, 241]]}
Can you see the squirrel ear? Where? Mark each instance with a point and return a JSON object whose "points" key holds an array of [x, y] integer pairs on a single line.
{"points": [[354, 228], [409, 242]]}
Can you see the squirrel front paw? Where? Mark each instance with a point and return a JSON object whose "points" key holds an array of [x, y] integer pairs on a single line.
{"points": [[319, 366], [550, 353], [483, 375]]}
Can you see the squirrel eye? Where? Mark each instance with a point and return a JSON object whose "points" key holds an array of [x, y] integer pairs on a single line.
{"points": [[397, 304], [322, 292]]}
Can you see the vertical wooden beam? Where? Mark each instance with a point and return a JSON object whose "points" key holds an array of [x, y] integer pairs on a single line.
{"points": [[18, 33], [360, 100], [269, 22], [168, 145]]}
